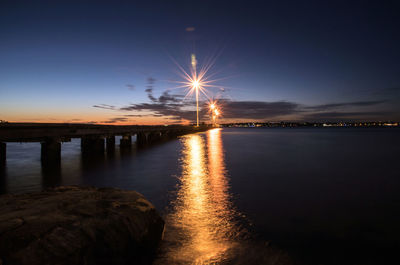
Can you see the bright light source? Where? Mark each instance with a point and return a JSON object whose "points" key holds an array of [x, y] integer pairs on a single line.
{"points": [[196, 84]]}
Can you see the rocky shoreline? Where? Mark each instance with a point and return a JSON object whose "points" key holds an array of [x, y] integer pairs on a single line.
{"points": [[78, 225]]}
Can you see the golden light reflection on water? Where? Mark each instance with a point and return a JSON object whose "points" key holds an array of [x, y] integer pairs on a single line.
{"points": [[200, 229]]}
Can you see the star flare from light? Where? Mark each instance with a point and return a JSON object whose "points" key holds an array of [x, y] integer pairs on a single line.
{"points": [[195, 81]]}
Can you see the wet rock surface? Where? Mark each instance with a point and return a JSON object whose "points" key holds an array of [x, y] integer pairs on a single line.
{"points": [[78, 225]]}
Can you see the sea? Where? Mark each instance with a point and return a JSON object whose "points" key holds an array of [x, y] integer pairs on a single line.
{"points": [[248, 195]]}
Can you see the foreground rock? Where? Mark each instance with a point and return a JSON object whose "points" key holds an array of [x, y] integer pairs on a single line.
{"points": [[73, 225]]}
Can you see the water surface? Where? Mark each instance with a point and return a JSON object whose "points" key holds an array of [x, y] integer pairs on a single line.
{"points": [[324, 195]]}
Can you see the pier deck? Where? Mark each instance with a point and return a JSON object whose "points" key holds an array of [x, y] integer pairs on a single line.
{"points": [[93, 137]]}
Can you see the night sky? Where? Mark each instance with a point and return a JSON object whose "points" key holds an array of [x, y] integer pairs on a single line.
{"points": [[115, 61]]}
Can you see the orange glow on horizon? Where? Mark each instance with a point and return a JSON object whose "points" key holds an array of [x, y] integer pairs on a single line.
{"points": [[89, 116], [143, 121]]}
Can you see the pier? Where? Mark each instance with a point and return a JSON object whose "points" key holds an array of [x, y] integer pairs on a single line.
{"points": [[95, 139]]}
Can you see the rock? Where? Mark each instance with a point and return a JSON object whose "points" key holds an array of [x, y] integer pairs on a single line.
{"points": [[78, 225]]}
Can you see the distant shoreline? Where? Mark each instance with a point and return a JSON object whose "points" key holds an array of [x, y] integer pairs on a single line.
{"points": [[375, 124]]}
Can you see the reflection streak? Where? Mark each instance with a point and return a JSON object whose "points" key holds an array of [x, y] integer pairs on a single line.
{"points": [[200, 230]]}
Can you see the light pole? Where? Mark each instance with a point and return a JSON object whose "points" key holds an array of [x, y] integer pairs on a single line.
{"points": [[197, 101], [195, 84], [216, 113]]}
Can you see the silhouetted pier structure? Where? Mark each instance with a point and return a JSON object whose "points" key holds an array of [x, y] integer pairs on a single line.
{"points": [[95, 139]]}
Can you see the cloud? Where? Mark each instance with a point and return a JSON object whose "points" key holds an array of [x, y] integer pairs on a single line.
{"points": [[166, 97], [344, 116], [142, 115], [105, 106], [130, 87], [172, 107], [115, 120], [177, 110], [149, 88], [150, 107], [134, 115], [330, 106], [257, 109], [190, 29]]}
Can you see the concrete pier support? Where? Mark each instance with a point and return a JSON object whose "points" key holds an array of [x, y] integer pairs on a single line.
{"points": [[3, 151], [51, 174], [126, 141], [165, 135], [51, 152], [142, 138], [150, 138], [92, 145], [110, 144], [154, 137]]}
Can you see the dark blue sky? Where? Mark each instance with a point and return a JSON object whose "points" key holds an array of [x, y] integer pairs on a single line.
{"points": [[83, 61]]}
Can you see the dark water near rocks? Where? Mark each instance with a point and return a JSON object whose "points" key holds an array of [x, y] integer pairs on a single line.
{"points": [[323, 195]]}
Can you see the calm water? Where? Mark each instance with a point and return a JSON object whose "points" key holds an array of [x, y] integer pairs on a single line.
{"points": [[324, 196]]}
